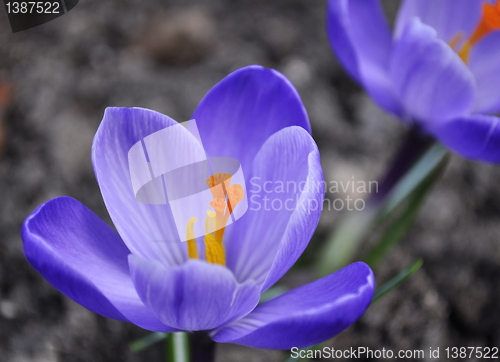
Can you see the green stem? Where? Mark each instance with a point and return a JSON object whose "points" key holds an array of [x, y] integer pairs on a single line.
{"points": [[177, 347], [401, 223]]}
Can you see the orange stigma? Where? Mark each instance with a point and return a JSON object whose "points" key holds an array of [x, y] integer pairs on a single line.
{"points": [[490, 21], [225, 200]]}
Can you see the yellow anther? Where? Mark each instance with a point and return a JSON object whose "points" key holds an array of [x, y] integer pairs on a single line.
{"points": [[210, 223], [225, 200], [214, 251], [191, 239]]}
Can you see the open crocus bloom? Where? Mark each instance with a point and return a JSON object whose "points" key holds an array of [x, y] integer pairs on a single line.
{"points": [[439, 69], [213, 284]]}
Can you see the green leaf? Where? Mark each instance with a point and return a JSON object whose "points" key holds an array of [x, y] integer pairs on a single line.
{"points": [[177, 347], [396, 280], [429, 162], [343, 243], [147, 341], [400, 224], [356, 227]]}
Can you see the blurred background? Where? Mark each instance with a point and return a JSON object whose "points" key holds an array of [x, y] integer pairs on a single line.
{"points": [[57, 79]]}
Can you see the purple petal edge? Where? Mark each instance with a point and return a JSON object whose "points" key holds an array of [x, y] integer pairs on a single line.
{"points": [[307, 315], [83, 258]]}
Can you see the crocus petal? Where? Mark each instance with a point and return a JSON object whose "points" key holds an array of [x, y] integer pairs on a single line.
{"points": [[434, 83], [86, 260], [194, 296], [240, 113], [448, 17], [148, 230], [485, 66], [476, 137], [285, 196], [361, 39], [306, 315]]}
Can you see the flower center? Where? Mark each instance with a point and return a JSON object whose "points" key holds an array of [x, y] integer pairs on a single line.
{"points": [[225, 200], [490, 21]]}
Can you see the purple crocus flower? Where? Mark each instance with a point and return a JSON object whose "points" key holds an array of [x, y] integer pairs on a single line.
{"points": [[439, 69], [255, 116]]}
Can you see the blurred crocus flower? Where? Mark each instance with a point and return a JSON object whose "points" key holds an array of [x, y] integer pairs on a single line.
{"points": [[255, 116], [439, 69]]}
